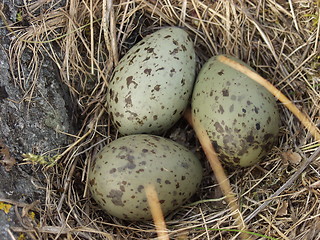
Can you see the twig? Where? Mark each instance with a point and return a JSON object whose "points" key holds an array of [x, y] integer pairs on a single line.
{"points": [[112, 30], [156, 212], [218, 170], [12, 202]]}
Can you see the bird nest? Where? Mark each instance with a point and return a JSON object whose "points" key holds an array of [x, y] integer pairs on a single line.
{"points": [[278, 198]]}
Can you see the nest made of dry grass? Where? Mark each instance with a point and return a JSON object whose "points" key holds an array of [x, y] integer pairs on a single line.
{"points": [[279, 39]]}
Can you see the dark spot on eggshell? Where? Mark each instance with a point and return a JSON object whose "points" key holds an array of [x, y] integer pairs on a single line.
{"points": [[129, 81], [111, 93], [132, 116], [225, 92], [172, 71], [174, 202], [138, 50], [185, 165], [228, 139], [122, 188], [146, 59], [220, 110], [258, 126], [129, 165], [268, 120], [159, 69], [221, 72], [92, 182], [140, 188], [149, 49], [104, 201], [128, 101], [218, 127], [116, 98], [116, 197], [147, 71], [268, 136], [236, 160], [174, 51], [131, 61], [216, 146], [250, 139], [157, 87], [140, 170]]}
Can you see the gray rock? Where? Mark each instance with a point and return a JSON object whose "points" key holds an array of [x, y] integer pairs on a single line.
{"points": [[33, 126]]}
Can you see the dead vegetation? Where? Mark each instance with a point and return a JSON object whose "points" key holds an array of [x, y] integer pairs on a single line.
{"points": [[279, 39]]}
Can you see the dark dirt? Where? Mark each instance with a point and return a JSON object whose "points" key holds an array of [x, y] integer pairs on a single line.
{"points": [[28, 126]]}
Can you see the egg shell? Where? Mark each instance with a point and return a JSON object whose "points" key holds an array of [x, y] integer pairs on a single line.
{"points": [[121, 170], [240, 116], [152, 84]]}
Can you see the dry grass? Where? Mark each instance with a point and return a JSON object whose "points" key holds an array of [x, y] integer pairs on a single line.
{"points": [[280, 39]]}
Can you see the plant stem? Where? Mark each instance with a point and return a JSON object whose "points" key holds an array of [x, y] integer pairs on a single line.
{"points": [[217, 170]]}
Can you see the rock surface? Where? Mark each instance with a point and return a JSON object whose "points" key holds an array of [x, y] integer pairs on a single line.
{"points": [[28, 126]]}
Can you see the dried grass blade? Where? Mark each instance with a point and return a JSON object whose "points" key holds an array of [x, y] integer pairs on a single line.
{"points": [[218, 170], [291, 180], [156, 212]]}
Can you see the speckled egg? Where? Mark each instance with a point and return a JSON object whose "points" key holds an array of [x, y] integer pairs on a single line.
{"points": [[122, 169], [153, 82], [240, 116]]}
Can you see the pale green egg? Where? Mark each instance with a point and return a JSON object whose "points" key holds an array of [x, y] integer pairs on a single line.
{"points": [[122, 169], [152, 84], [240, 116]]}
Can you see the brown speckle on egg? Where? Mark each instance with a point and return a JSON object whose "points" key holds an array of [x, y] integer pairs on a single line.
{"points": [[116, 197]]}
